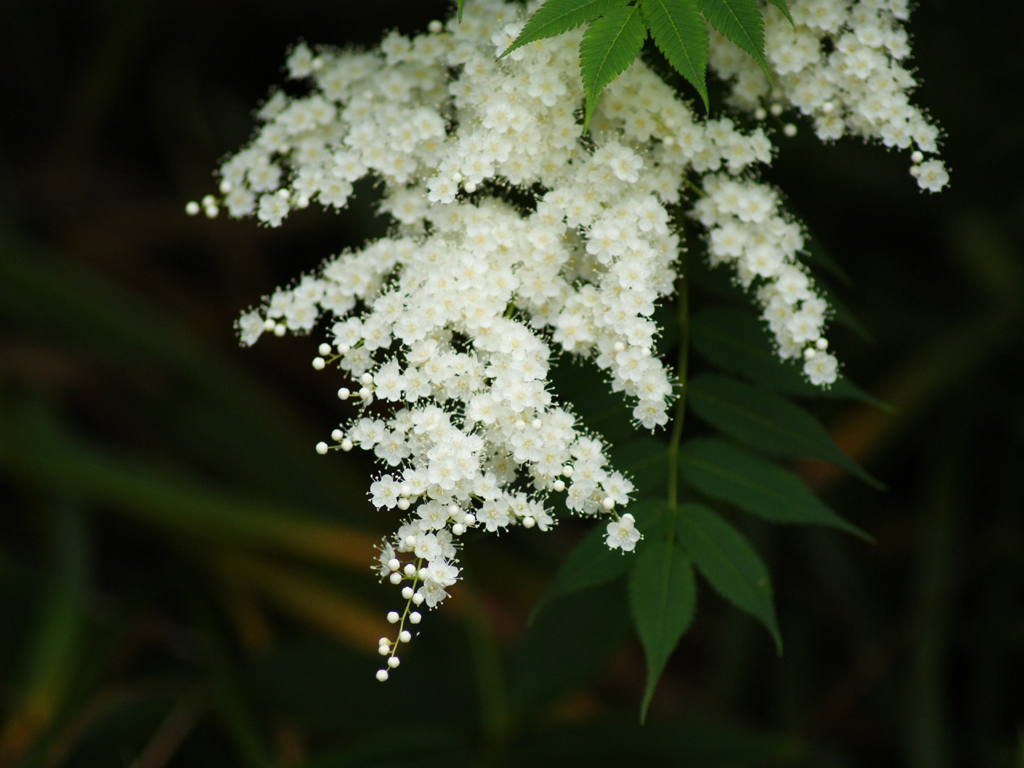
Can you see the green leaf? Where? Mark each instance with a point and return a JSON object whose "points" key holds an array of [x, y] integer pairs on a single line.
{"points": [[781, 5], [739, 21], [650, 516], [717, 281], [565, 644], [680, 34], [726, 472], [662, 599], [738, 342], [766, 421], [590, 564], [730, 564], [458, 12], [556, 17], [610, 44]]}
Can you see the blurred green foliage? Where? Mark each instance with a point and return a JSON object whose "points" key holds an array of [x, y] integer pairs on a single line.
{"points": [[184, 582]]}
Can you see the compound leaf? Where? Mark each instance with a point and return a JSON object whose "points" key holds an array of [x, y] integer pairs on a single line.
{"points": [[662, 599], [645, 462], [736, 341], [727, 472], [730, 564], [781, 5], [739, 21], [556, 17], [680, 34], [611, 43], [591, 563], [766, 421]]}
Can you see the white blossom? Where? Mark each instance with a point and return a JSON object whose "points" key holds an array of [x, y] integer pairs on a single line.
{"points": [[860, 87], [622, 533], [450, 324]]}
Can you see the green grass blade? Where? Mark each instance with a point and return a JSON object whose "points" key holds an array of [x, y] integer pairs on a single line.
{"points": [[217, 410], [53, 657], [50, 457]]}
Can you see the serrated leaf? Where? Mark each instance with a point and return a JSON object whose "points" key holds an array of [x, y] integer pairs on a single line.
{"points": [[727, 472], [556, 17], [766, 421], [611, 43], [565, 644], [736, 341], [730, 564], [739, 21], [662, 599], [781, 5], [590, 564], [678, 30]]}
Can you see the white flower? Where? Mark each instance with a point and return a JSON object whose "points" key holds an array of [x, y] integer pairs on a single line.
{"points": [[387, 554], [384, 492], [622, 533], [932, 175], [250, 326], [449, 325], [821, 369], [273, 209], [860, 88]]}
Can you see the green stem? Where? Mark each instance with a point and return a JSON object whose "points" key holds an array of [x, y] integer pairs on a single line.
{"points": [[682, 289], [700, 192]]}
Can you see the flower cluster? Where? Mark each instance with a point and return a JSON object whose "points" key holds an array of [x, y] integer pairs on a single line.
{"points": [[840, 63], [516, 237], [747, 229]]}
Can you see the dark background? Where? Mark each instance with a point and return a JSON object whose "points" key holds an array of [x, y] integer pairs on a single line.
{"points": [[184, 582]]}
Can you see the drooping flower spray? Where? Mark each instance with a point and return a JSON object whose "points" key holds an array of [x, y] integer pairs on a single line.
{"points": [[519, 237]]}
